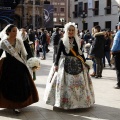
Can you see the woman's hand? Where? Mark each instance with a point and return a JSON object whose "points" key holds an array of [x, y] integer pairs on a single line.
{"points": [[91, 57], [56, 68]]}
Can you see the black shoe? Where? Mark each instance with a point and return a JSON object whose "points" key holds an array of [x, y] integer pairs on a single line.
{"points": [[117, 87], [110, 65], [98, 76], [16, 111]]}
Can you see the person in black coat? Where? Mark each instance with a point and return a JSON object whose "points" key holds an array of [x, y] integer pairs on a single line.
{"points": [[43, 39], [97, 51], [55, 39]]}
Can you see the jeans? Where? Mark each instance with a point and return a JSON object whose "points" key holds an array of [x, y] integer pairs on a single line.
{"points": [[107, 55], [44, 50], [94, 66], [99, 66], [55, 50]]}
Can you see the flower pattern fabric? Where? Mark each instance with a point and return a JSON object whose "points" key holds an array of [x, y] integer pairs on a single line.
{"points": [[69, 91]]}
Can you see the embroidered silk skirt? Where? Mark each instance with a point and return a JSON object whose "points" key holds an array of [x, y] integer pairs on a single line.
{"points": [[69, 89]]}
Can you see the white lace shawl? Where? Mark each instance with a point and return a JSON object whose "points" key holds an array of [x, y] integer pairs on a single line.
{"points": [[19, 48], [66, 38]]}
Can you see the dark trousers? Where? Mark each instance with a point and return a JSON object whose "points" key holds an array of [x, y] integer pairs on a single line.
{"points": [[55, 50], [44, 50], [99, 66], [117, 66]]}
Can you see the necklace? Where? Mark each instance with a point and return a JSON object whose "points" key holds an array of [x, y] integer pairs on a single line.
{"points": [[71, 43]]}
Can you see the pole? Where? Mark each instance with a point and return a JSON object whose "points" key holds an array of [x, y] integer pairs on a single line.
{"points": [[25, 8], [33, 14]]}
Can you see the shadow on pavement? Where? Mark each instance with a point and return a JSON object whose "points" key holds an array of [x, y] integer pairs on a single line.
{"points": [[97, 111]]}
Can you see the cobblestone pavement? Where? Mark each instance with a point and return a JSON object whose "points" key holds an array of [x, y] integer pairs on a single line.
{"points": [[107, 105]]}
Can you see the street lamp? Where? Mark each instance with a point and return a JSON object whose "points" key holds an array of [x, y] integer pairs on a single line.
{"points": [[62, 21], [83, 16]]}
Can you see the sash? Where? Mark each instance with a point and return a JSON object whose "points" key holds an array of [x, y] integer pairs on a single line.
{"points": [[5, 45], [79, 57]]}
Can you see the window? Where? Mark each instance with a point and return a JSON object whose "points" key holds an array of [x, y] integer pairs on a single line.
{"points": [[62, 9], [96, 9], [108, 25], [108, 7], [55, 9], [55, 19], [95, 23], [75, 13], [86, 7], [85, 26], [62, 19]]}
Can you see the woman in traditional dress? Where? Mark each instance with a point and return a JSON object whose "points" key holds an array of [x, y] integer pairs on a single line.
{"points": [[69, 85], [17, 89]]}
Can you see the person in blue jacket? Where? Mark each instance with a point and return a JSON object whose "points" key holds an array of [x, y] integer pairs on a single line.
{"points": [[115, 50]]}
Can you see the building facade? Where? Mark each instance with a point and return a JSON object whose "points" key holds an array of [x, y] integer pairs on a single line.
{"points": [[29, 13], [61, 13], [88, 13], [26, 13]]}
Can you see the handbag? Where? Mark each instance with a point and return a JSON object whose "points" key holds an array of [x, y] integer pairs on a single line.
{"points": [[112, 60], [40, 48]]}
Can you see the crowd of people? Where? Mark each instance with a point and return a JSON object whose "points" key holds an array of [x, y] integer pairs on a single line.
{"points": [[69, 84]]}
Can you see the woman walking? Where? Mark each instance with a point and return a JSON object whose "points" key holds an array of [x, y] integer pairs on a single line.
{"points": [[69, 85], [17, 89]]}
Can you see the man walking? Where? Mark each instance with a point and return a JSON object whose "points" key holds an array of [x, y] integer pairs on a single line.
{"points": [[55, 40], [115, 50]]}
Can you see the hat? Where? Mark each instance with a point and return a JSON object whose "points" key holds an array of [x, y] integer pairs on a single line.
{"points": [[118, 24]]}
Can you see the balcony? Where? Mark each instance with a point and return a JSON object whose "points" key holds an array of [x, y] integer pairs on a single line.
{"points": [[107, 10], [95, 11]]}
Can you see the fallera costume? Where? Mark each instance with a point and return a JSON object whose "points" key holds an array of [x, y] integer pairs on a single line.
{"points": [[17, 89], [70, 87]]}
